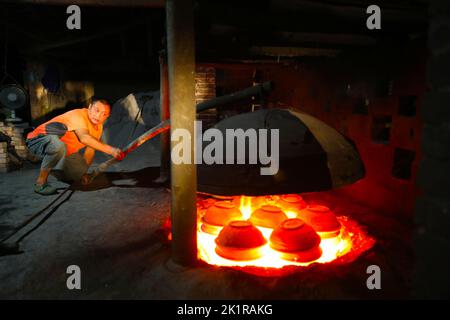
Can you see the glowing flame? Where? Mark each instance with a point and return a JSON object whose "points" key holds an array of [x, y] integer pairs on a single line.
{"points": [[246, 207], [291, 214]]}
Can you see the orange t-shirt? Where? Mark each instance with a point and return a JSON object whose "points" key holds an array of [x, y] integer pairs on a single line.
{"points": [[64, 126]]}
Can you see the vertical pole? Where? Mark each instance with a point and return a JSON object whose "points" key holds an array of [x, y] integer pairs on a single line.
{"points": [[164, 169], [181, 60]]}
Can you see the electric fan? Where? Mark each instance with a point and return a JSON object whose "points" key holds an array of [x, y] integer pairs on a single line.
{"points": [[13, 97]]}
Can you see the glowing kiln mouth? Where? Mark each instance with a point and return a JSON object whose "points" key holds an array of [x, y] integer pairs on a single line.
{"points": [[287, 233]]}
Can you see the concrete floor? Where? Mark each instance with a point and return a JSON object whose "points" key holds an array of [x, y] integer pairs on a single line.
{"points": [[112, 231]]}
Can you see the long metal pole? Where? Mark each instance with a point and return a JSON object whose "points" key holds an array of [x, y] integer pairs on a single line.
{"points": [[256, 90], [164, 169], [181, 60]]}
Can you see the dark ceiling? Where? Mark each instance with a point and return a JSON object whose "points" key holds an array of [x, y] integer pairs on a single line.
{"points": [[111, 41], [236, 29], [126, 40]]}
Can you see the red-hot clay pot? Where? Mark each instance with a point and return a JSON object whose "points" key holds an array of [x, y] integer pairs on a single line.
{"points": [[297, 241], [240, 240], [219, 215], [268, 216], [322, 219]]}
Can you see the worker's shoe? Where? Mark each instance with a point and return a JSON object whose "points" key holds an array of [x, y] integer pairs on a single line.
{"points": [[45, 189]]}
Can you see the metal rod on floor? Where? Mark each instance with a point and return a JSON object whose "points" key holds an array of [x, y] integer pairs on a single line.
{"points": [[181, 61]]}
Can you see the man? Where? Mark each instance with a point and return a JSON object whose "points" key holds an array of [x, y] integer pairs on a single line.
{"points": [[59, 141]]}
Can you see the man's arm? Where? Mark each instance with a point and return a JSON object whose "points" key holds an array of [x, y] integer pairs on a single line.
{"points": [[88, 140], [89, 155]]}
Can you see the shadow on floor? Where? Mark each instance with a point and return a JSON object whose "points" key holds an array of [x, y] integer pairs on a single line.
{"points": [[157, 237], [143, 178]]}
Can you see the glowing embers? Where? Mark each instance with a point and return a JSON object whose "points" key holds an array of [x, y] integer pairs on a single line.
{"points": [[286, 241]]}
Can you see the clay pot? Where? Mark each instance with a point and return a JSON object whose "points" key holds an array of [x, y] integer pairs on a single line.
{"points": [[240, 240], [218, 215], [292, 202], [296, 241], [322, 219], [204, 204], [268, 216], [259, 201], [233, 199]]}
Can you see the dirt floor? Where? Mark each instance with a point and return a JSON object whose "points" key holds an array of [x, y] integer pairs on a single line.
{"points": [[112, 231]]}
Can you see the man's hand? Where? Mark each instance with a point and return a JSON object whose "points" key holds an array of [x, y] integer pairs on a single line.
{"points": [[117, 153]]}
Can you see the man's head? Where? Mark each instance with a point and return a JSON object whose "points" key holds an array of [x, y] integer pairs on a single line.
{"points": [[98, 110]]}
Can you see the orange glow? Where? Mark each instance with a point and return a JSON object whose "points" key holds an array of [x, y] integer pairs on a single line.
{"points": [[167, 228], [291, 214], [351, 238]]}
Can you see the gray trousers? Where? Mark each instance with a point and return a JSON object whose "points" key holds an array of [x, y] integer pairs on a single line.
{"points": [[52, 151]]}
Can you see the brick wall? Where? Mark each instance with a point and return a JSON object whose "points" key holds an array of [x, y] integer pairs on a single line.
{"points": [[205, 89], [12, 146]]}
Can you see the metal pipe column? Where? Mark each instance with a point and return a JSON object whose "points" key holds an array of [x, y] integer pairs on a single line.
{"points": [[164, 169], [181, 61]]}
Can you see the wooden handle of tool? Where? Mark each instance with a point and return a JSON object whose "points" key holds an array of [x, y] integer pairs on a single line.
{"points": [[101, 168], [153, 132]]}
